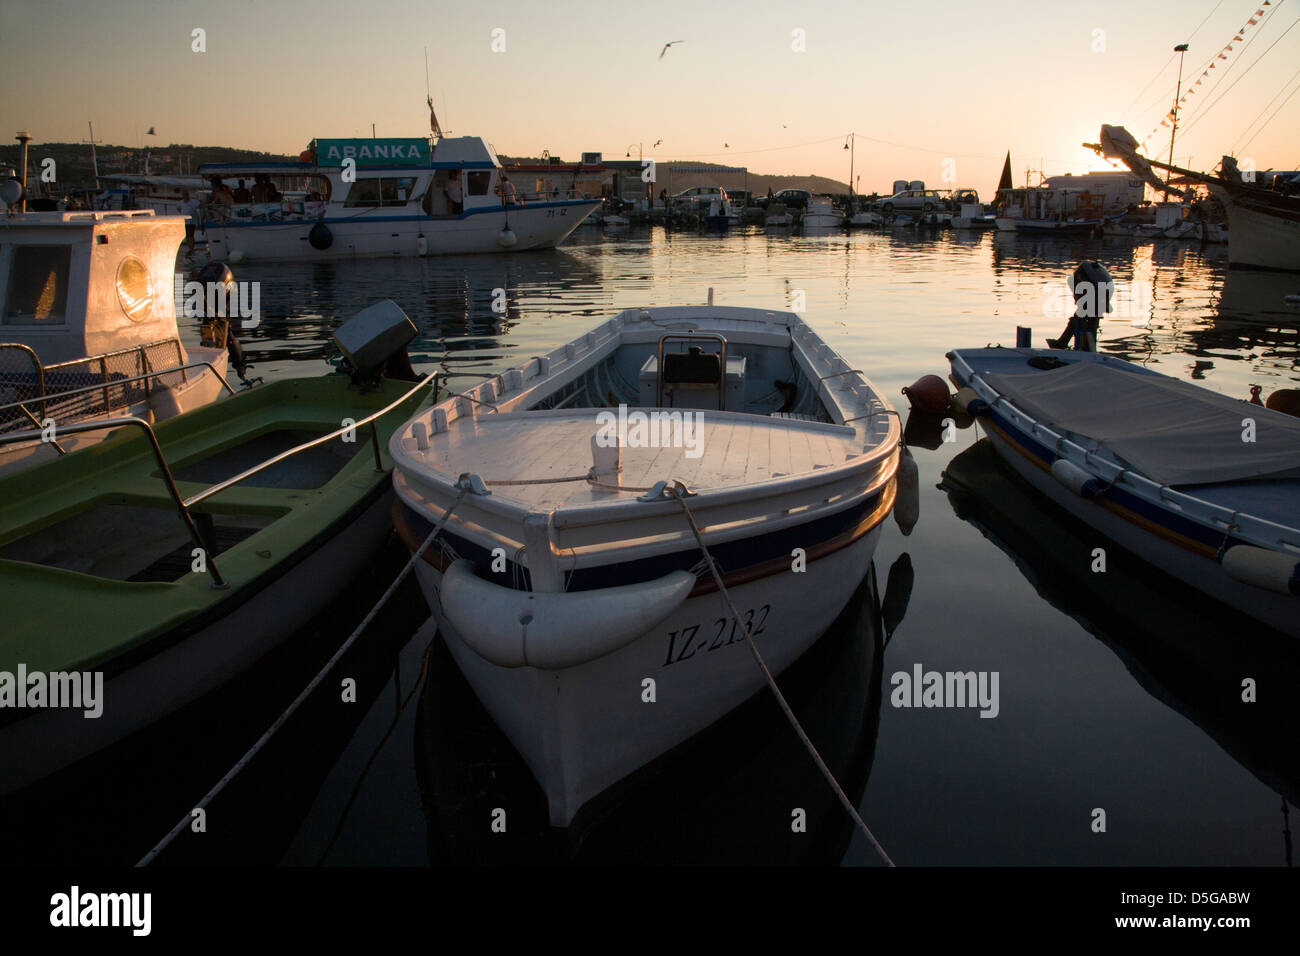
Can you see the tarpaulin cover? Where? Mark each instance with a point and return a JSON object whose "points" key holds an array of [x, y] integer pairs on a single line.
{"points": [[1171, 431]]}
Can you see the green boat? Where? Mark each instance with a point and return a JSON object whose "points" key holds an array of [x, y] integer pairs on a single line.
{"points": [[146, 570]]}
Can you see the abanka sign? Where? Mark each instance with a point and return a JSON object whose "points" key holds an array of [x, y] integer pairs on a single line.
{"points": [[373, 152]]}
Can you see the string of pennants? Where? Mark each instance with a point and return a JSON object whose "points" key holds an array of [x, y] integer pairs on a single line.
{"points": [[1205, 74]]}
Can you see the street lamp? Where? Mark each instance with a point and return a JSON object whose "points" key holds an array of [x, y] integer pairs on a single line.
{"points": [[1181, 50]]}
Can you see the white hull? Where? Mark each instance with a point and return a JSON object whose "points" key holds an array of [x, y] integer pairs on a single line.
{"points": [[203, 387], [1261, 239], [1275, 610], [582, 729], [536, 226], [822, 220], [43, 742], [779, 222]]}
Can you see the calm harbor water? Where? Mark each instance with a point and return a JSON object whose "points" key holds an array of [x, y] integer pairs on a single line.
{"points": [[1118, 691]]}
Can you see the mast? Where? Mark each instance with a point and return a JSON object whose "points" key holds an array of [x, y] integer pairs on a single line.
{"points": [[94, 161]]}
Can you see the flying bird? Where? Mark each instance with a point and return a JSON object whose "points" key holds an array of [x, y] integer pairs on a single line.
{"points": [[151, 132], [667, 45], [726, 146], [657, 142]]}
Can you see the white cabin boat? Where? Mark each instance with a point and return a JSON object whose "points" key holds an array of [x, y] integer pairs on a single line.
{"points": [[567, 574], [820, 213], [383, 197], [88, 327], [165, 195]]}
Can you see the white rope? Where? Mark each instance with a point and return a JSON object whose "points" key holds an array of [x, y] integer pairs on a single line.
{"points": [[771, 682], [306, 692]]}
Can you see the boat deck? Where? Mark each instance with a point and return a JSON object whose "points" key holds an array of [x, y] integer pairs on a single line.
{"points": [[729, 449]]}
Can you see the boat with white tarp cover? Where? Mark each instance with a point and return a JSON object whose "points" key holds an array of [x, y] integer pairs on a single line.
{"points": [[1205, 486], [564, 497]]}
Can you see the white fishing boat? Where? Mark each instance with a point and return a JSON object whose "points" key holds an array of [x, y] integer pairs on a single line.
{"points": [[380, 197], [568, 582], [820, 213], [778, 216], [88, 327], [165, 195], [1203, 486], [865, 219]]}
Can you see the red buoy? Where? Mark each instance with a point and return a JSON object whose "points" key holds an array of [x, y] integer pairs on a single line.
{"points": [[929, 392]]}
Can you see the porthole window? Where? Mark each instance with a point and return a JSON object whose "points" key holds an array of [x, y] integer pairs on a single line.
{"points": [[134, 289]]}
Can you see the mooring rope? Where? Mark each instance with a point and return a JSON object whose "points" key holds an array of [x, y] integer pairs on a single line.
{"points": [[677, 493], [306, 692]]}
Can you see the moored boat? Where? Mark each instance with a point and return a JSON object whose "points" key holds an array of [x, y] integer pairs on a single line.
{"points": [[567, 580], [1204, 486], [820, 213], [385, 197], [161, 562], [88, 328]]}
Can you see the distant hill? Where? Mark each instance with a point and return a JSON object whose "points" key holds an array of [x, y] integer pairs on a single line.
{"points": [[674, 177], [74, 170]]}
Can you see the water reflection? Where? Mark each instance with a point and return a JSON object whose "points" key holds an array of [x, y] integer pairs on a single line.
{"points": [[1186, 651]]}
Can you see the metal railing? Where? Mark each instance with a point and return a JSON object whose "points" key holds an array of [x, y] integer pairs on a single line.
{"points": [[21, 405], [183, 505]]}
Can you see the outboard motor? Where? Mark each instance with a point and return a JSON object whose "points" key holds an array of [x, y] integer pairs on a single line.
{"points": [[373, 343], [1094, 292], [214, 330]]}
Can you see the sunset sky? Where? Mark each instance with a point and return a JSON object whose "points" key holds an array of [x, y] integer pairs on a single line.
{"points": [[918, 82]]}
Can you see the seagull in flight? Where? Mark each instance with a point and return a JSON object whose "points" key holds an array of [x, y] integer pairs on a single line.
{"points": [[150, 132], [667, 45], [657, 142]]}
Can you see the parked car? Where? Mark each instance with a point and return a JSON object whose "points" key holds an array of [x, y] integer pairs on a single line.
{"points": [[793, 198], [698, 196], [914, 200]]}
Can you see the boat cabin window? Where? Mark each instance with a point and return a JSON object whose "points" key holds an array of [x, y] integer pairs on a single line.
{"points": [[393, 191], [37, 292], [477, 183]]}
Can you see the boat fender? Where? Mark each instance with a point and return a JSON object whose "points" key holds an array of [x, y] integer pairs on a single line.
{"points": [[237, 256], [554, 630], [1285, 400], [968, 401], [1261, 568], [1082, 483], [928, 392], [421, 245], [506, 239], [907, 503], [320, 236]]}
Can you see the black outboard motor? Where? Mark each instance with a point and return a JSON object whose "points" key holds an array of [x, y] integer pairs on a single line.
{"points": [[215, 329], [373, 343], [1094, 293]]}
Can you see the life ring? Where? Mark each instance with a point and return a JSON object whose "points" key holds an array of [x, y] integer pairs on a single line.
{"points": [[320, 236]]}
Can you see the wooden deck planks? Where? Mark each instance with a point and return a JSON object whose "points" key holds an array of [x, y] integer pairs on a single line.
{"points": [[734, 452]]}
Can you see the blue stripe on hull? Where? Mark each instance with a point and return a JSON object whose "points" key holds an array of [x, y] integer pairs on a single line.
{"points": [[1175, 524], [732, 557]]}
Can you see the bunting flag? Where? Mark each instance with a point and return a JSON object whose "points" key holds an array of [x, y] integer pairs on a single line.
{"points": [[1238, 37]]}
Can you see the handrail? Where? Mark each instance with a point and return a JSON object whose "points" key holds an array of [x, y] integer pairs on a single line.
{"points": [[184, 511], [40, 371], [183, 505], [248, 473], [51, 396]]}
